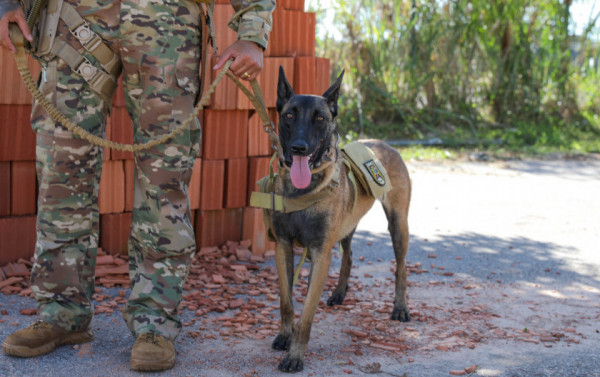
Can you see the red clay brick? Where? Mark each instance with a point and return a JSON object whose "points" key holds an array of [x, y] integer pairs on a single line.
{"points": [[107, 136], [258, 167], [4, 188], [323, 75], [225, 134], [254, 230], [258, 139], [225, 96], [225, 35], [119, 97], [114, 232], [112, 188], [211, 190], [194, 187], [268, 81], [17, 139], [23, 188], [10, 78], [121, 132], [214, 228], [18, 238], [291, 4], [277, 38], [236, 182], [129, 167], [305, 75], [300, 43]]}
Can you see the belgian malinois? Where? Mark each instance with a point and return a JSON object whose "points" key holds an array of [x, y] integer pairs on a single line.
{"points": [[308, 158]]}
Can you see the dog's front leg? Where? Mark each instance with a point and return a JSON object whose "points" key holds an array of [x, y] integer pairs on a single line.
{"points": [[284, 259], [294, 360]]}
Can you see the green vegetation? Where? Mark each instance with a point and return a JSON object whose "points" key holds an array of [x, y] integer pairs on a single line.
{"points": [[493, 74]]}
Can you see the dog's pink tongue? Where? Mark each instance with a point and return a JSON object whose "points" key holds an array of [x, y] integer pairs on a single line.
{"points": [[300, 172]]}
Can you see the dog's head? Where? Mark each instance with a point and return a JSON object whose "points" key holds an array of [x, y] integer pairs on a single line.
{"points": [[306, 126]]}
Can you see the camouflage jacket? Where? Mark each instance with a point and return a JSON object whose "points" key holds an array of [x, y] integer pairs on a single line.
{"points": [[252, 20]]}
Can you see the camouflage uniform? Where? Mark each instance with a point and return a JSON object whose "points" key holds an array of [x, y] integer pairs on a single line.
{"points": [[159, 46]]}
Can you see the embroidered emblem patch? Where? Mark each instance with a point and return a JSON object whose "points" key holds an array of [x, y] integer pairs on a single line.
{"points": [[375, 172]]}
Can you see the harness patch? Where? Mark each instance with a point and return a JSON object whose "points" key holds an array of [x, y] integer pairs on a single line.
{"points": [[375, 172]]}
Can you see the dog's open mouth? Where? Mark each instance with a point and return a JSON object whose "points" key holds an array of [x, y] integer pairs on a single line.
{"points": [[300, 168], [300, 171]]}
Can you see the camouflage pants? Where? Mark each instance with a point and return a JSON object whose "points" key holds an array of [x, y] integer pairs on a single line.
{"points": [[158, 42]]}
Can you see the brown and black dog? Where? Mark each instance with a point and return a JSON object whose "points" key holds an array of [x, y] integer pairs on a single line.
{"points": [[309, 158]]}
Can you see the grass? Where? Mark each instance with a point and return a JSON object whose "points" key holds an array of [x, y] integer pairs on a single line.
{"points": [[440, 154]]}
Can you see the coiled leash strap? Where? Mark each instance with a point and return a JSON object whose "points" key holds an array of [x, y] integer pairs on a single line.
{"points": [[257, 100]]}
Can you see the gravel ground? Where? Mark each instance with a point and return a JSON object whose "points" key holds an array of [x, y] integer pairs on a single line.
{"points": [[504, 277]]}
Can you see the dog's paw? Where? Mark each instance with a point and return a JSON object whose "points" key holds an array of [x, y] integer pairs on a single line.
{"points": [[281, 343], [336, 299], [291, 365], [400, 314]]}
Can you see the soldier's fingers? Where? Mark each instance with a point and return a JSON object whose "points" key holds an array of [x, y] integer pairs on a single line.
{"points": [[4, 37], [226, 56], [245, 68], [22, 22]]}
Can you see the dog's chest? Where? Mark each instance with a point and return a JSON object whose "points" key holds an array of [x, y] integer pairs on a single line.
{"points": [[305, 227]]}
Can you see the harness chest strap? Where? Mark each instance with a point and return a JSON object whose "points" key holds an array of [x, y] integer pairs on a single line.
{"points": [[91, 41], [267, 199], [102, 80]]}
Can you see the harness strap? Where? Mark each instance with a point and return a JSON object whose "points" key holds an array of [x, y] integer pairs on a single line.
{"points": [[99, 81], [353, 181], [91, 41], [48, 23], [267, 199]]}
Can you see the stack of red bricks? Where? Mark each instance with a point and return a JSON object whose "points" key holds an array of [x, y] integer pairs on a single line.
{"points": [[235, 149]]}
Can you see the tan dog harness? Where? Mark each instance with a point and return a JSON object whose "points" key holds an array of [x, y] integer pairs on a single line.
{"points": [[362, 165]]}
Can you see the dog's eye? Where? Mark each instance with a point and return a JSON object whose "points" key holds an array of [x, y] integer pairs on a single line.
{"points": [[320, 118], [289, 115]]}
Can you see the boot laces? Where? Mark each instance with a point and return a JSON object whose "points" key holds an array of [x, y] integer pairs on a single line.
{"points": [[39, 324], [150, 337]]}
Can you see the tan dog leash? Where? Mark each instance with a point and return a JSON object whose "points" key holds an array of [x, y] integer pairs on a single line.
{"points": [[21, 60]]}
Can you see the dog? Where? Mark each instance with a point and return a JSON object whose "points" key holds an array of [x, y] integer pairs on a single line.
{"points": [[309, 159]]}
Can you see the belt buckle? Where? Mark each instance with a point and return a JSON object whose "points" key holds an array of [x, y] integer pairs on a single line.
{"points": [[83, 33], [86, 70]]}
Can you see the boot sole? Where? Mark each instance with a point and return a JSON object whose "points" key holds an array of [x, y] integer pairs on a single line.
{"points": [[152, 365], [69, 338]]}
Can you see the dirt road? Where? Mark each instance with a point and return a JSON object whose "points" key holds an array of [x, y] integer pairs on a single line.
{"points": [[504, 281]]}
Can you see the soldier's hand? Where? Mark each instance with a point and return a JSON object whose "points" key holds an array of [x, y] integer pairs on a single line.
{"points": [[10, 11], [247, 59]]}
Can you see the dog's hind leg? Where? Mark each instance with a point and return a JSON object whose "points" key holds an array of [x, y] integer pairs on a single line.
{"points": [[284, 259], [398, 227], [338, 295], [294, 360]]}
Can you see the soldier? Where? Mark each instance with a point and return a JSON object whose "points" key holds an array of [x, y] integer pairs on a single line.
{"points": [[156, 45]]}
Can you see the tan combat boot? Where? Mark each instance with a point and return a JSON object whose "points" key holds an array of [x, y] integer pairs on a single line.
{"points": [[152, 352], [40, 338]]}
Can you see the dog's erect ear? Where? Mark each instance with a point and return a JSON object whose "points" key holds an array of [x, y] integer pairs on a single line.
{"points": [[284, 90], [331, 95]]}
